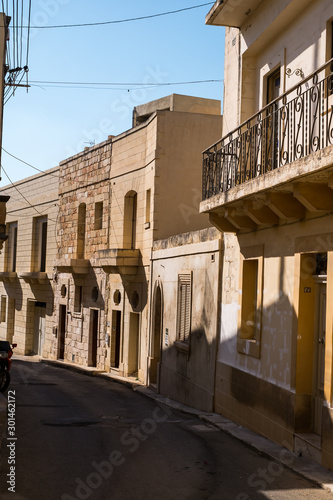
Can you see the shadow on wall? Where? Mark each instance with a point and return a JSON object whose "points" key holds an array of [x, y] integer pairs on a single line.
{"points": [[186, 369], [14, 291], [270, 375]]}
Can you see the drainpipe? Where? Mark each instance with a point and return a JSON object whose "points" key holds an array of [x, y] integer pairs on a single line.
{"points": [[218, 309], [150, 292], [239, 77]]}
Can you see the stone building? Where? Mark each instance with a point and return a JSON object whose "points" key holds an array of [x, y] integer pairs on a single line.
{"points": [[115, 200], [268, 188], [83, 230], [26, 263]]}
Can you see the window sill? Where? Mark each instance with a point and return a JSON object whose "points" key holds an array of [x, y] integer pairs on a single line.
{"points": [[77, 315], [251, 347], [182, 346], [147, 225]]}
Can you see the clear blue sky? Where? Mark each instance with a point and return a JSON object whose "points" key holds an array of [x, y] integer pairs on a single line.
{"points": [[49, 124]]}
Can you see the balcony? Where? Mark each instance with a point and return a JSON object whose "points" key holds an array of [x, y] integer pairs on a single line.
{"points": [[228, 13], [278, 165], [36, 278], [73, 266], [119, 261]]}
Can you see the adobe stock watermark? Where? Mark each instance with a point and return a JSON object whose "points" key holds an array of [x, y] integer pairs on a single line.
{"points": [[48, 9], [265, 476], [121, 109], [130, 440]]}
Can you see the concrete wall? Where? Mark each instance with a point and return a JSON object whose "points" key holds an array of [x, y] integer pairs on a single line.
{"points": [[181, 138], [186, 372]]}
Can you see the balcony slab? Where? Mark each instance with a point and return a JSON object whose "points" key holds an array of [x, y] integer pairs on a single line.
{"points": [[314, 168], [73, 266], [119, 261]]}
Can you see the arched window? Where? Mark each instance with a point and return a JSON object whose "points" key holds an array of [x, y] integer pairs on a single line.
{"points": [[81, 230], [130, 220]]}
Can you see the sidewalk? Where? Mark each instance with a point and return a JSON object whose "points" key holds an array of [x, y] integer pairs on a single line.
{"points": [[303, 466]]}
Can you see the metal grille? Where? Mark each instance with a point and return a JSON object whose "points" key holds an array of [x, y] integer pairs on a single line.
{"points": [[291, 127]]}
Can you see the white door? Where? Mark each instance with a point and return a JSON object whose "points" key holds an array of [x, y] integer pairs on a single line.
{"points": [[39, 329]]}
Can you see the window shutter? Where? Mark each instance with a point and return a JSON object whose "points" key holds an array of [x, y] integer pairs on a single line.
{"points": [[184, 304]]}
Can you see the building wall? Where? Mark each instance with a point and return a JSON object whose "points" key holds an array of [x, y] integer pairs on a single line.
{"points": [[160, 155], [274, 366], [277, 386], [272, 37], [181, 139], [30, 199], [186, 370]]}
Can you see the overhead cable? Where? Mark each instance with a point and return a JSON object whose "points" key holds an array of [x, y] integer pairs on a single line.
{"points": [[29, 164], [14, 186], [120, 20]]}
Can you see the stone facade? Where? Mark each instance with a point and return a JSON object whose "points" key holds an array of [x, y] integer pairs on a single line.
{"points": [[91, 293], [274, 205], [26, 263], [83, 230], [158, 156]]}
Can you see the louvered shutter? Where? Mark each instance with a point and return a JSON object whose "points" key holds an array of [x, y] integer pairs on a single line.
{"points": [[184, 305]]}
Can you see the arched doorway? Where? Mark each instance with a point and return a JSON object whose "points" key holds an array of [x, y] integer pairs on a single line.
{"points": [[155, 357]]}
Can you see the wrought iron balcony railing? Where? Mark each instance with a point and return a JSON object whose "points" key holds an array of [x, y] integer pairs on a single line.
{"points": [[294, 125]]}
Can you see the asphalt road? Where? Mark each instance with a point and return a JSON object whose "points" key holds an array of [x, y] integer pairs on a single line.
{"points": [[80, 437]]}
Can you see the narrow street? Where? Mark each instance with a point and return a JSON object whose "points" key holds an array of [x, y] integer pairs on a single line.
{"points": [[82, 437]]}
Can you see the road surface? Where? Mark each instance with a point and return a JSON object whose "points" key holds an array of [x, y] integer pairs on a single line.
{"points": [[79, 437]]}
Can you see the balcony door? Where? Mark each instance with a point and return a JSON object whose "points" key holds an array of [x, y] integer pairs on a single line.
{"points": [[130, 209], [271, 123]]}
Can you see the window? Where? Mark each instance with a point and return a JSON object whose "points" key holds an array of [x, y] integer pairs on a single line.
{"points": [[129, 240], [77, 298], [11, 249], [98, 215], [81, 230], [39, 244], [184, 307], [329, 55], [42, 245], [249, 299], [147, 215], [249, 324], [3, 309]]}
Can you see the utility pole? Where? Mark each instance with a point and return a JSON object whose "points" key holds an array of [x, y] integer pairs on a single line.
{"points": [[4, 22]]}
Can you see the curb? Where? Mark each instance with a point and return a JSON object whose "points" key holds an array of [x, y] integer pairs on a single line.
{"points": [[91, 372], [302, 466]]}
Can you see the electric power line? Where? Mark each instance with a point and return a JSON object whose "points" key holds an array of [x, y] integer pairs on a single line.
{"points": [[120, 84], [120, 20], [28, 202], [29, 165]]}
